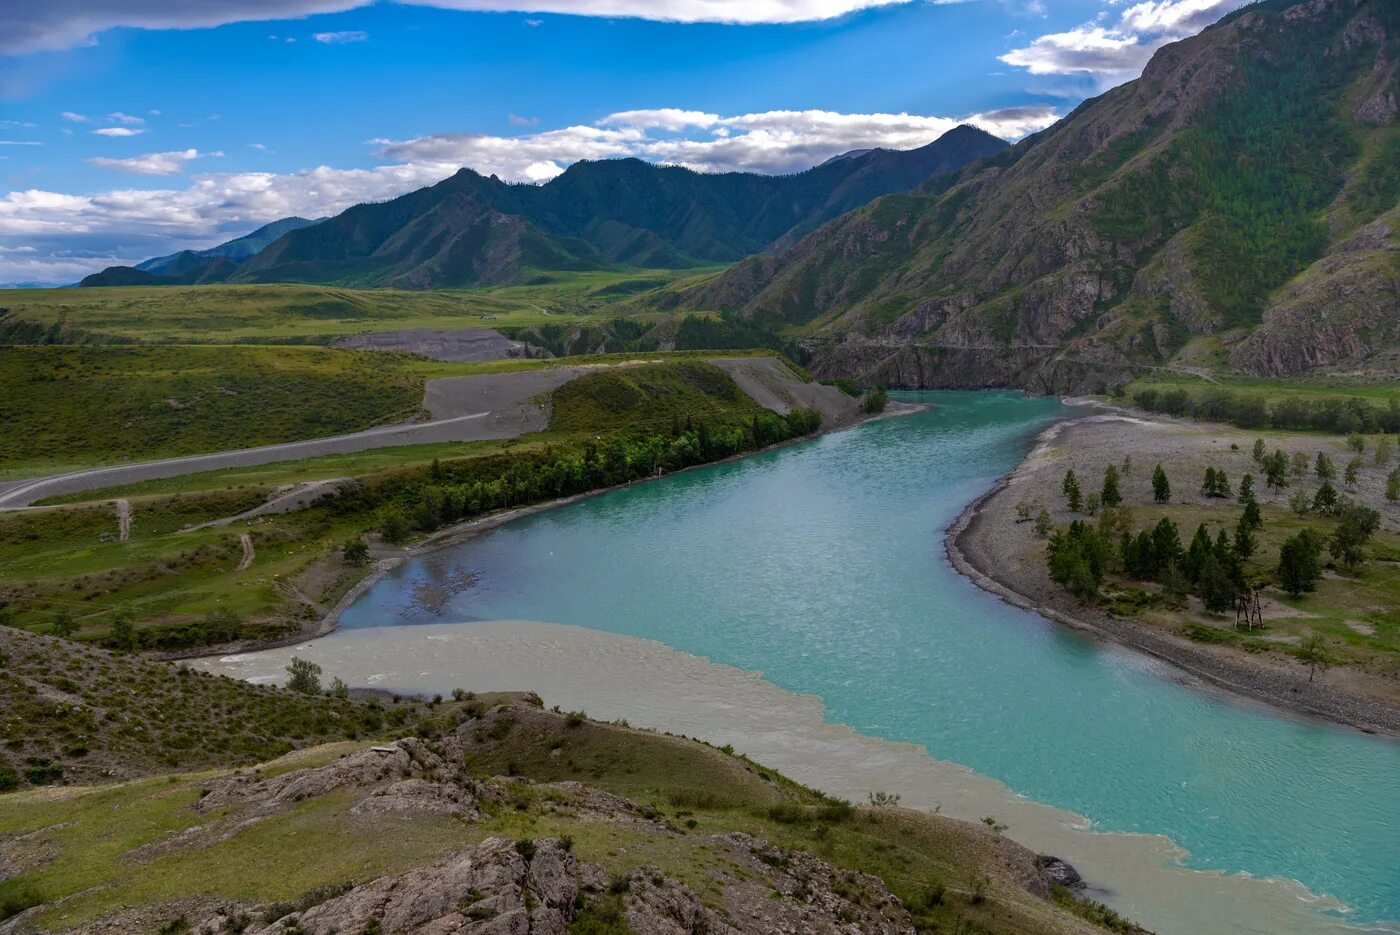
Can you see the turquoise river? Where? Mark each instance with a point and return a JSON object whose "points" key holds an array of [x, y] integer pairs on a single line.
{"points": [[822, 566]]}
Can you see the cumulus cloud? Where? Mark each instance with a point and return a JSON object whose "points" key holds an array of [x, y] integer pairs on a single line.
{"points": [[129, 225], [64, 24], [773, 141], [118, 131], [340, 38], [1118, 51], [152, 163]]}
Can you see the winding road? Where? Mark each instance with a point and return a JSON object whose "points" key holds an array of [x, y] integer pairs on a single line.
{"points": [[17, 494], [462, 409]]}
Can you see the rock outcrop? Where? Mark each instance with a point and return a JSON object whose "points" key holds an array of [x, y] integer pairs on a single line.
{"points": [[1141, 222]]}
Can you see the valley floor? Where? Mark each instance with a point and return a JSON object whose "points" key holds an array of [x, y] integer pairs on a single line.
{"points": [[994, 543]]}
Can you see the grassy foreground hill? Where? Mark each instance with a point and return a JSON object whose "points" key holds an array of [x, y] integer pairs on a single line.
{"points": [[473, 811], [1234, 207]]}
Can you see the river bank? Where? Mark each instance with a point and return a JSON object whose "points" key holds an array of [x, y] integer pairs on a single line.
{"points": [[991, 544], [387, 557], [650, 685]]}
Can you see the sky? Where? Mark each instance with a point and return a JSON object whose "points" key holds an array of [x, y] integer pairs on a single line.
{"points": [[133, 128]]}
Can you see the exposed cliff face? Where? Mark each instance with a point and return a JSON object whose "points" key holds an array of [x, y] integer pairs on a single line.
{"points": [[1342, 314], [1216, 192]]}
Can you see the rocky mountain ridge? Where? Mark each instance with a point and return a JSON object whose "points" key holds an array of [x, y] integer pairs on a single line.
{"points": [[473, 230], [1239, 199]]}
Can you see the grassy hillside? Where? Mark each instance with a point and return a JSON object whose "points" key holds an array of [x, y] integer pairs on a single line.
{"points": [[106, 716], [85, 405], [290, 314], [648, 396], [163, 852]]}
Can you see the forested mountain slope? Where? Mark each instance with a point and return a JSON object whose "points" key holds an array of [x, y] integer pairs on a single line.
{"points": [[473, 230], [1238, 200]]}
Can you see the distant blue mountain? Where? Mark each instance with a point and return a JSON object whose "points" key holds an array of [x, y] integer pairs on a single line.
{"points": [[237, 250]]}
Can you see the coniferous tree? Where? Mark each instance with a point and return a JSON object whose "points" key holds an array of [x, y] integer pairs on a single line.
{"points": [[1392, 485], [1260, 451], [1197, 552], [1251, 518], [1323, 467], [1110, 496], [1246, 488], [1161, 487], [1245, 543], [1216, 586], [1298, 568], [1073, 497], [1325, 500]]}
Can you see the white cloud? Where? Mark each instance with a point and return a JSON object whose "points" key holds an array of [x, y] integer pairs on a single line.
{"points": [[339, 38], [16, 124], [152, 163], [65, 24], [20, 143], [119, 117], [663, 118], [1118, 52], [260, 147], [518, 121], [75, 118], [118, 131], [129, 225]]}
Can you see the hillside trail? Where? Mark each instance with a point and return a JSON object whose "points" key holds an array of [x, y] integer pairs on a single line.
{"points": [[287, 499], [123, 520], [246, 541]]}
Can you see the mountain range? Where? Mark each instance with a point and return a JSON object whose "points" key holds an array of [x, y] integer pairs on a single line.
{"points": [[1235, 207], [472, 230]]}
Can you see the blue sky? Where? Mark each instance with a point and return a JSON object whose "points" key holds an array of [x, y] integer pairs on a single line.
{"points": [[132, 127]]}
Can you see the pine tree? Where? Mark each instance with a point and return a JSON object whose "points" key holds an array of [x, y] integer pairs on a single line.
{"points": [[1260, 451], [1392, 485], [1217, 588], [1073, 497], [1161, 487], [1323, 467], [1298, 568], [1247, 488], [1251, 517], [1110, 496], [1325, 500], [1245, 544]]}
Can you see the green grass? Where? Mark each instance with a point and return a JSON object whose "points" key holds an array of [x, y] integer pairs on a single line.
{"points": [[66, 405], [1320, 387], [73, 407], [232, 314], [98, 715], [647, 396], [119, 849]]}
